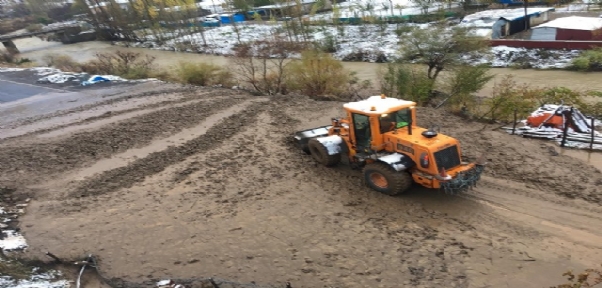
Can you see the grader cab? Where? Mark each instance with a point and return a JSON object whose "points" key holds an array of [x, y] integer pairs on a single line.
{"points": [[380, 135]]}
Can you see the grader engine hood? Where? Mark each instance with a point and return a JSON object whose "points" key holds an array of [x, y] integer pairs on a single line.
{"points": [[438, 157]]}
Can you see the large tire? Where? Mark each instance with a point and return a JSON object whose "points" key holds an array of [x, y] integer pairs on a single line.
{"points": [[383, 178], [320, 153]]}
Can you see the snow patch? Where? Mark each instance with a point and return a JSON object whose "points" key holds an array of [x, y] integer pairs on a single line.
{"points": [[504, 56], [38, 280], [12, 241], [394, 160], [56, 78], [11, 69], [332, 143]]}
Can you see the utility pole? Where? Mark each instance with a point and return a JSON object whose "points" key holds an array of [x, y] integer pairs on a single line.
{"points": [[526, 18]]}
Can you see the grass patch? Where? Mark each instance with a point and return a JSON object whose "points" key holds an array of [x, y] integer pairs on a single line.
{"points": [[203, 74]]}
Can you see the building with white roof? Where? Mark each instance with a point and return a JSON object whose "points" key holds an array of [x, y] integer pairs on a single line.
{"points": [[569, 28], [495, 24]]}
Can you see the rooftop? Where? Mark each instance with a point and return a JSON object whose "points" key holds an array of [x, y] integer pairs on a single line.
{"points": [[488, 17], [381, 105], [574, 23]]}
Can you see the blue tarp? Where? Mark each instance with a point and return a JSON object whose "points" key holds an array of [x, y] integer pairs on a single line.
{"points": [[95, 79]]}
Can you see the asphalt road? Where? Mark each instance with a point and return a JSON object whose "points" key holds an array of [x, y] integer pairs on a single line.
{"points": [[12, 91]]}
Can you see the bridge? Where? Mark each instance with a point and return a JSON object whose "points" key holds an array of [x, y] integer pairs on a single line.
{"points": [[62, 32]]}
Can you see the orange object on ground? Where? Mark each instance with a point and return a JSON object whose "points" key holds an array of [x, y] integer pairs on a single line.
{"points": [[555, 121]]}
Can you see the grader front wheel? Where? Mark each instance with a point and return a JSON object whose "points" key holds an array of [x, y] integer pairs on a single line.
{"points": [[383, 178], [320, 154]]}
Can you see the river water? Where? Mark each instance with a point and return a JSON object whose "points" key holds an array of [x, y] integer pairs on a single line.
{"points": [[36, 49]]}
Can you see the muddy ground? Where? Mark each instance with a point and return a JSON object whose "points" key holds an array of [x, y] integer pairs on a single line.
{"points": [[183, 182]]}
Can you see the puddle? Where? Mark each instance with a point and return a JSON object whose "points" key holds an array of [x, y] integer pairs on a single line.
{"points": [[592, 158]]}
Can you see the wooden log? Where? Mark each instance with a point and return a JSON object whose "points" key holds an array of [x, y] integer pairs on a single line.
{"points": [[565, 126], [591, 128]]}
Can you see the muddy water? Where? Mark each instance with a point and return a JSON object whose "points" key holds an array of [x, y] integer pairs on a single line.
{"points": [[36, 49]]}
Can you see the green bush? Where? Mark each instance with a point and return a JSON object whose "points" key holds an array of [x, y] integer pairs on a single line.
{"points": [[401, 81], [203, 74], [590, 60], [318, 74]]}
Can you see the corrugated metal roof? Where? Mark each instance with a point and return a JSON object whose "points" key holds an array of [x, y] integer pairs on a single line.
{"points": [[574, 23], [490, 16]]}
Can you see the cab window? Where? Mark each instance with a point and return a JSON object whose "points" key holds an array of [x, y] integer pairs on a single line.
{"points": [[402, 118], [361, 126]]}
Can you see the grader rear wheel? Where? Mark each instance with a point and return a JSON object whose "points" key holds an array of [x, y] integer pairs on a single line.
{"points": [[383, 178], [320, 153]]}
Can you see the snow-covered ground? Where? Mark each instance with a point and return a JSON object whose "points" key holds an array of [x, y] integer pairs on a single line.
{"points": [[504, 56], [56, 76], [369, 43], [11, 241], [50, 279]]}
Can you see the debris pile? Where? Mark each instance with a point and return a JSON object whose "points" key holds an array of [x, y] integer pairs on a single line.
{"points": [[549, 122]]}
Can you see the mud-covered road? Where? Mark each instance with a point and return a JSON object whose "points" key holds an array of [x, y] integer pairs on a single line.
{"points": [[164, 181]]}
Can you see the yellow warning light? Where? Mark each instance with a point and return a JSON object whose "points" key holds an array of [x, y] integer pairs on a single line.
{"points": [[373, 108], [382, 96]]}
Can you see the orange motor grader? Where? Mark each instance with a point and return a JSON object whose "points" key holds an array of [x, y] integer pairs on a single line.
{"points": [[380, 136]]}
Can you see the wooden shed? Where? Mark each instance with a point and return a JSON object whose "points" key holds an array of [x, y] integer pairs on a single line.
{"points": [[575, 28]]}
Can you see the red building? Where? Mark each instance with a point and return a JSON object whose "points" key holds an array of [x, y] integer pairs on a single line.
{"points": [[573, 28]]}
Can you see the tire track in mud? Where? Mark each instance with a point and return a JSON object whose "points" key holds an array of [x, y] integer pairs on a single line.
{"points": [[185, 135], [53, 157], [114, 117], [135, 172], [154, 92], [115, 113]]}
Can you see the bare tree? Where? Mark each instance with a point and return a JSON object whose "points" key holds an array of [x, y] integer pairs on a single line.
{"points": [[439, 47], [262, 63]]}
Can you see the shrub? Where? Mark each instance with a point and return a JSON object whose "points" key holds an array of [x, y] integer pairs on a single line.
{"points": [[125, 64], [590, 60], [589, 278], [34, 27], [318, 74], [262, 64], [402, 81], [509, 96], [203, 74], [328, 44], [63, 63], [6, 57]]}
